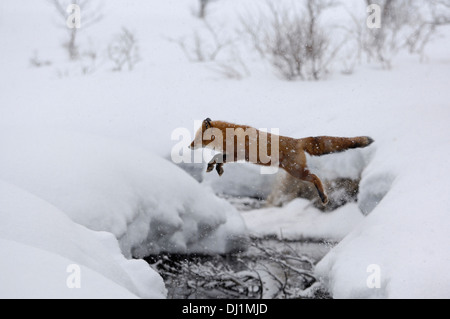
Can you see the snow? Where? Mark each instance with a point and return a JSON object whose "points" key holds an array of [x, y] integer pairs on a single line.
{"points": [[22, 277], [240, 179], [84, 179], [299, 220], [406, 234], [149, 204], [39, 242]]}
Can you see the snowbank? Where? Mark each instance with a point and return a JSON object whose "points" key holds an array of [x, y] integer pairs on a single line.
{"points": [[38, 243], [400, 250], [405, 236], [299, 220], [149, 204]]}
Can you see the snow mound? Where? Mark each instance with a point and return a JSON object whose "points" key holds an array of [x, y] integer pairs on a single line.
{"points": [[373, 188], [400, 249], [349, 164], [38, 244], [405, 245], [48, 278], [149, 204], [299, 220]]}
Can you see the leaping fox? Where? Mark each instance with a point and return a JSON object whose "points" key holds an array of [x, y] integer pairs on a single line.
{"points": [[291, 155]]}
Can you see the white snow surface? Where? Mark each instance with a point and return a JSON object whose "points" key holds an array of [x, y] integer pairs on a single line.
{"points": [[299, 220], [39, 242], [91, 147], [148, 203], [240, 179]]}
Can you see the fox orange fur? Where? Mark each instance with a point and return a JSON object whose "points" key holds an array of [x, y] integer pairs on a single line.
{"points": [[291, 155]]}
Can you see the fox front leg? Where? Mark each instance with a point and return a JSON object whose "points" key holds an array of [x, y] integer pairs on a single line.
{"points": [[218, 160]]}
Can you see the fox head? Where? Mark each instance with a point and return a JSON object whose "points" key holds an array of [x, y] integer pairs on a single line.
{"points": [[201, 139]]}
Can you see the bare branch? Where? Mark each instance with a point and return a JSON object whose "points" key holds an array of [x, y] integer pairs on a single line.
{"points": [[203, 46], [123, 50], [293, 40]]}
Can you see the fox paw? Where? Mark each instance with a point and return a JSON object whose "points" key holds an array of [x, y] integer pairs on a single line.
{"points": [[209, 168], [324, 199], [219, 169]]}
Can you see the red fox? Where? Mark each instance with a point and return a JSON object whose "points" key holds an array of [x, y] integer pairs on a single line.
{"points": [[291, 152]]}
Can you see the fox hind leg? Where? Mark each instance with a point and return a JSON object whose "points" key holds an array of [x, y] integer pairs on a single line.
{"points": [[318, 184], [307, 176]]}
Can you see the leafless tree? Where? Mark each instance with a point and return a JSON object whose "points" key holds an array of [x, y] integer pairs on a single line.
{"points": [[89, 15], [124, 50]]}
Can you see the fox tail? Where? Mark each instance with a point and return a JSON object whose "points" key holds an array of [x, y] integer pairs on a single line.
{"points": [[322, 145]]}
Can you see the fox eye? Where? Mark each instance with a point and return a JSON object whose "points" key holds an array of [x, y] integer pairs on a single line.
{"points": [[212, 137]]}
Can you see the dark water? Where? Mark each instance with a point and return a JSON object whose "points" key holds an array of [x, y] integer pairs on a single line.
{"points": [[269, 268]]}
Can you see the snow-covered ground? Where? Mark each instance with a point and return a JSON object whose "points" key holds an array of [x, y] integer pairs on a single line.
{"points": [[45, 254], [84, 157], [148, 203], [299, 220]]}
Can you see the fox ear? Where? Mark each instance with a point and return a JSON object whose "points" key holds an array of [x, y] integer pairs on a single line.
{"points": [[207, 123]]}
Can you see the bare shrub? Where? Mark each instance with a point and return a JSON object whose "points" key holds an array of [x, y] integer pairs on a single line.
{"points": [[440, 12], [351, 52], [406, 24], [293, 40], [439, 15], [90, 15], [203, 4], [89, 61], [382, 44], [203, 46], [37, 62], [232, 68], [124, 51]]}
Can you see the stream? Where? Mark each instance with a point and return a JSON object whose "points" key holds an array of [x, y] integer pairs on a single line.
{"points": [[269, 268]]}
